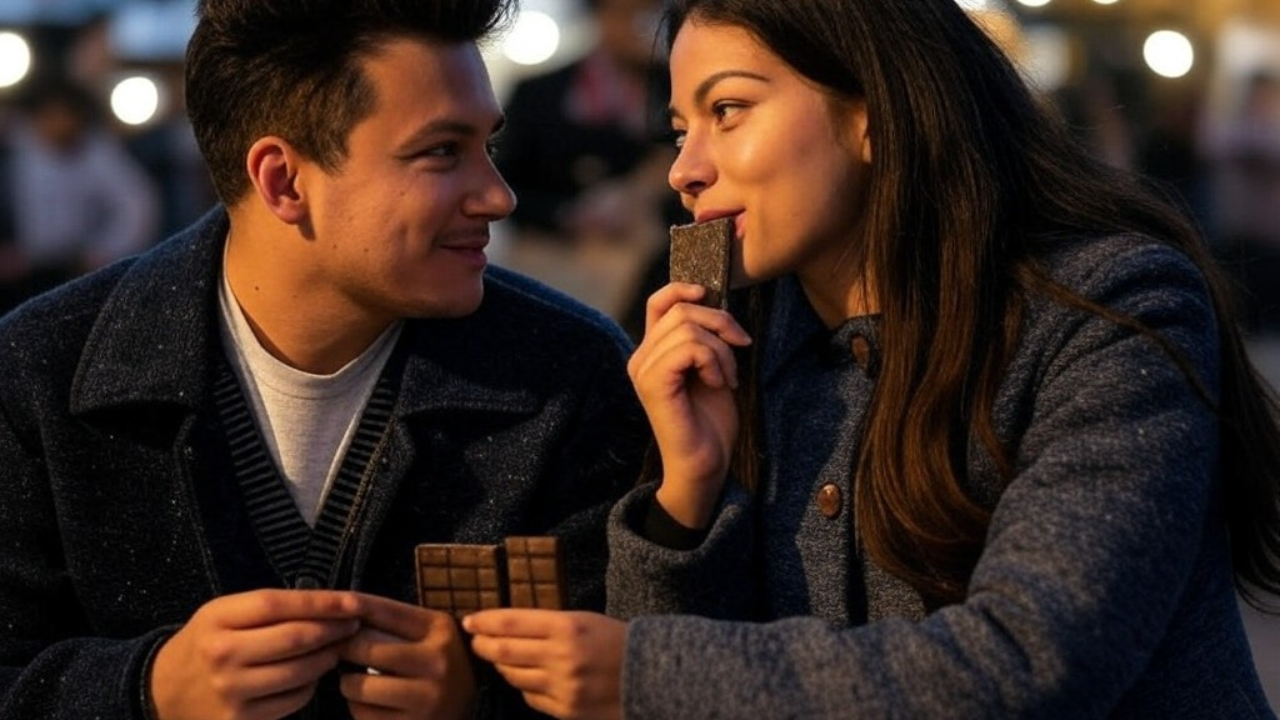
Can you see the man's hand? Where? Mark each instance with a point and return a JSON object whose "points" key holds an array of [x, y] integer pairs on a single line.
{"points": [[252, 656], [418, 664]]}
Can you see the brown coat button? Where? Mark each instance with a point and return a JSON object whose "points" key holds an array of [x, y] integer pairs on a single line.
{"points": [[829, 500], [861, 350]]}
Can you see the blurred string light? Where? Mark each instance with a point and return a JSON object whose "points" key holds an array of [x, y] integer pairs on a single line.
{"points": [[15, 59], [1047, 64], [533, 40], [1034, 3], [1106, 2], [1169, 53], [135, 100]]}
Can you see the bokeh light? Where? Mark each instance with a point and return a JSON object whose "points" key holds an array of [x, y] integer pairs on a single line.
{"points": [[135, 100], [533, 40], [15, 58], [1169, 53]]}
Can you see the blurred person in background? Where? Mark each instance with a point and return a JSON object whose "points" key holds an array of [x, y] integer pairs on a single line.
{"points": [[77, 199], [1095, 114], [584, 148], [1245, 154], [1169, 152]]}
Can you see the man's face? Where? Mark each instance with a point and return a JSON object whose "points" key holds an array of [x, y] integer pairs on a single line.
{"points": [[400, 228]]}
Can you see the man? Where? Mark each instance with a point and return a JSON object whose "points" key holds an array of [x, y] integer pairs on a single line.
{"points": [[219, 457]]}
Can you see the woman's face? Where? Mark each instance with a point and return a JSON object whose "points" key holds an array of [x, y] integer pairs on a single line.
{"points": [[761, 143]]}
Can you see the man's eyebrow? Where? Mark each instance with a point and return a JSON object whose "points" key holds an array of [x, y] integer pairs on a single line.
{"points": [[448, 126], [704, 88]]}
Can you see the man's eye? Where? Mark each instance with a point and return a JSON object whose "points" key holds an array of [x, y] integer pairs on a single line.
{"points": [[442, 150]]}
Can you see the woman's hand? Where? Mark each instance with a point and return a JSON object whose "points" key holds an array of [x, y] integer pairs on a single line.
{"points": [[567, 664], [685, 374]]}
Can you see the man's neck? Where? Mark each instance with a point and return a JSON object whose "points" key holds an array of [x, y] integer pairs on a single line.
{"points": [[294, 316]]}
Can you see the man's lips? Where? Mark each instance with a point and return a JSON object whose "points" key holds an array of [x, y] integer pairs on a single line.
{"points": [[471, 240]]}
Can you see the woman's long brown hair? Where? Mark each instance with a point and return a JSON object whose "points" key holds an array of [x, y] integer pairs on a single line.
{"points": [[971, 179]]}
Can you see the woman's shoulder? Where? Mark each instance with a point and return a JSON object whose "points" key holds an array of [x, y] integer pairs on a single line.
{"points": [[1089, 263]]}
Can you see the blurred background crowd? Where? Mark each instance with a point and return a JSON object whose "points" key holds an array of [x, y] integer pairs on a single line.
{"points": [[97, 161]]}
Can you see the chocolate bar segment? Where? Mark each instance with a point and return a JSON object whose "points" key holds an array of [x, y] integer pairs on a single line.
{"points": [[535, 572], [459, 579], [700, 255]]}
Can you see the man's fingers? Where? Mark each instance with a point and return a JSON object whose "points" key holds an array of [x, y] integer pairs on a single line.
{"points": [[259, 608], [291, 639], [391, 655], [371, 696], [264, 682], [403, 620], [376, 692], [284, 703]]}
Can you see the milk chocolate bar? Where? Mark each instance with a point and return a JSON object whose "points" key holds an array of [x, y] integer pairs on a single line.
{"points": [[535, 575], [459, 579], [700, 255]]}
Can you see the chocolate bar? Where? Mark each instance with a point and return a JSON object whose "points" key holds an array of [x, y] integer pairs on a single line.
{"points": [[535, 577], [460, 579], [700, 255]]}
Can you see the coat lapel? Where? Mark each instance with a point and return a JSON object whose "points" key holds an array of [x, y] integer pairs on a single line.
{"points": [[155, 334]]}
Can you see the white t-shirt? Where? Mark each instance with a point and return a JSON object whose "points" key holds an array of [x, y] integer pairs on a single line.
{"points": [[307, 420]]}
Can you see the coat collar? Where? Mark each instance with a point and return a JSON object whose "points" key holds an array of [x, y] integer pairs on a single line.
{"points": [[793, 324], [151, 341], [794, 328], [156, 335]]}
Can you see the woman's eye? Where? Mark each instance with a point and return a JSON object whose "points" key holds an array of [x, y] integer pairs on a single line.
{"points": [[724, 110], [677, 138]]}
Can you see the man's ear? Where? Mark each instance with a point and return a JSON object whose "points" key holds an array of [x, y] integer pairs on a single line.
{"points": [[273, 165]]}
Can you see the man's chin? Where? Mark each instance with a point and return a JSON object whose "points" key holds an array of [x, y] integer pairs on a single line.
{"points": [[456, 306]]}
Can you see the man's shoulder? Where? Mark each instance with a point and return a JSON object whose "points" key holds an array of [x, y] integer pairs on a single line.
{"points": [[42, 340], [135, 291], [76, 301], [524, 305]]}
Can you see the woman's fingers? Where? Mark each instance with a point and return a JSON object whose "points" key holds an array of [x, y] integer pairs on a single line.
{"points": [[668, 296]]}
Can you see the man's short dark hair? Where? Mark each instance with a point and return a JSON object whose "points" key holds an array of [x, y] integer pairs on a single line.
{"points": [[292, 68]]}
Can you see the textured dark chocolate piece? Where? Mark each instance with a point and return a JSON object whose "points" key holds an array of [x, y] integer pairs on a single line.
{"points": [[460, 579], [700, 255], [535, 574]]}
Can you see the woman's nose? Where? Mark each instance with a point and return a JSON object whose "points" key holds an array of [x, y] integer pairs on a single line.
{"points": [[691, 173]]}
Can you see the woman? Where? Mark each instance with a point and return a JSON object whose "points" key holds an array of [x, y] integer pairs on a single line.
{"points": [[992, 446]]}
